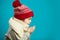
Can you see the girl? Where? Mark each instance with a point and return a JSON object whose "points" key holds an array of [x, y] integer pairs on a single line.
{"points": [[19, 24]]}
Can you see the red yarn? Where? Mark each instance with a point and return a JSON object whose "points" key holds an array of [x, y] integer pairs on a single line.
{"points": [[21, 12], [23, 16], [16, 0], [16, 3]]}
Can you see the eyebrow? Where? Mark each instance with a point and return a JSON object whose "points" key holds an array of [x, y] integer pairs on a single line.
{"points": [[30, 18]]}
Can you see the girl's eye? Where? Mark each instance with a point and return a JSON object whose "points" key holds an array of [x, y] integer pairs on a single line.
{"points": [[29, 19]]}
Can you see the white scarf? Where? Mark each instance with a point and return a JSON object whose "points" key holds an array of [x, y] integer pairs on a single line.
{"points": [[18, 26]]}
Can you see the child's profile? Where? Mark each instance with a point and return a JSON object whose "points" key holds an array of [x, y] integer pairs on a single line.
{"points": [[19, 24]]}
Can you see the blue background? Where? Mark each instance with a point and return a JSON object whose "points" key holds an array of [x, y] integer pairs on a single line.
{"points": [[46, 19]]}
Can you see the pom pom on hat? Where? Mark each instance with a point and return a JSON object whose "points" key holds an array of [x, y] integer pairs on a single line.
{"points": [[16, 3]]}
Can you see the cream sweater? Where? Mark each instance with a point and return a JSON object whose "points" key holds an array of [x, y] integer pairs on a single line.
{"points": [[18, 26]]}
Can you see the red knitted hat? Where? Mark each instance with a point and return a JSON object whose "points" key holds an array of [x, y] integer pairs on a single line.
{"points": [[21, 12]]}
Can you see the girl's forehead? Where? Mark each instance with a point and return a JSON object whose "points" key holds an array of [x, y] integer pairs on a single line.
{"points": [[29, 18]]}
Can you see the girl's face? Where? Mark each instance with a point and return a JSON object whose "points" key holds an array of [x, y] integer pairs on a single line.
{"points": [[28, 20]]}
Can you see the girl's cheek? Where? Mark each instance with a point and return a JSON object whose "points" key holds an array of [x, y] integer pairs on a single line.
{"points": [[27, 22]]}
